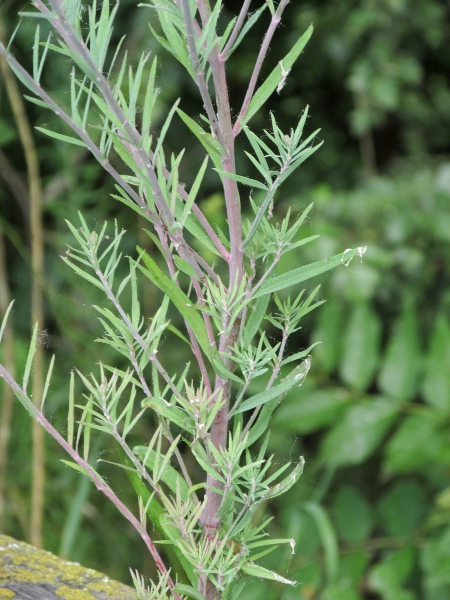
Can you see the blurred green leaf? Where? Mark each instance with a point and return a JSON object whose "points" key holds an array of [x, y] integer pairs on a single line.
{"points": [[360, 352], [337, 592], [328, 332], [388, 576], [307, 410], [436, 383], [435, 562], [352, 514], [327, 536], [359, 432], [310, 576], [414, 444], [352, 568], [400, 369], [402, 508]]}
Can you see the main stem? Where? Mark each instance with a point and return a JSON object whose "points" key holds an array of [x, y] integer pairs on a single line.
{"points": [[219, 429]]}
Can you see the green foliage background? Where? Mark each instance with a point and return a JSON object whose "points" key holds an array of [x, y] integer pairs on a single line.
{"points": [[371, 514]]}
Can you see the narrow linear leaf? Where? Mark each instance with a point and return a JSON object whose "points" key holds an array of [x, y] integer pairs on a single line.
{"points": [[47, 381], [179, 299], [275, 77], [211, 145], [288, 482], [71, 411], [61, 137], [245, 180], [170, 476], [264, 397], [281, 282], [327, 536], [258, 571], [30, 357], [175, 415], [189, 591], [5, 319]]}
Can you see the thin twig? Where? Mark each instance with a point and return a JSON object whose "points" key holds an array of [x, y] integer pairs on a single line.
{"points": [[199, 74], [258, 64], [236, 30]]}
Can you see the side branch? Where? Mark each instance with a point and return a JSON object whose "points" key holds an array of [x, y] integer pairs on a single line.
{"points": [[99, 483], [276, 19]]}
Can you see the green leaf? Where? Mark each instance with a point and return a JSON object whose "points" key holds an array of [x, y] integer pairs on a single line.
{"points": [[185, 267], [360, 353], [352, 514], [156, 513], [75, 466], [252, 18], [253, 183], [5, 319], [221, 370], [388, 576], [402, 508], [257, 313], [174, 414], [275, 77], [190, 591], [435, 562], [40, 103], [61, 137], [83, 274], [211, 145], [257, 571], [416, 444], [302, 353], [400, 369], [30, 358], [296, 276], [327, 536], [308, 410], [359, 432], [288, 482], [436, 382], [179, 299], [170, 476], [295, 378], [329, 332]]}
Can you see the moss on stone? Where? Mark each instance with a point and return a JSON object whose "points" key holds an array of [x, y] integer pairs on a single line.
{"points": [[27, 572]]}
